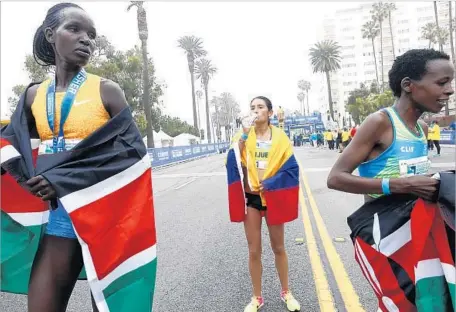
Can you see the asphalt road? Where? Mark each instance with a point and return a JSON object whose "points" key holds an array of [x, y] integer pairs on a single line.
{"points": [[202, 257]]}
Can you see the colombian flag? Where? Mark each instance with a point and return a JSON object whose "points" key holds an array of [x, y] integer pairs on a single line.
{"points": [[280, 183]]}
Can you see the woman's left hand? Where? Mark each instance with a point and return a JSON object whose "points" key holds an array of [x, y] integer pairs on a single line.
{"points": [[41, 187], [261, 186]]}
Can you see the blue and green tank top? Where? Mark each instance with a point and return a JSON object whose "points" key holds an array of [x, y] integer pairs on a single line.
{"points": [[406, 156]]}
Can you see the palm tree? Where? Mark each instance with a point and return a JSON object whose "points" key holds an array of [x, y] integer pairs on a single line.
{"points": [[379, 13], [304, 85], [325, 58], [147, 96], [390, 7], [193, 47], [215, 102], [429, 32], [450, 21], [437, 26], [451, 29], [301, 96], [205, 71], [370, 31], [199, 96]]}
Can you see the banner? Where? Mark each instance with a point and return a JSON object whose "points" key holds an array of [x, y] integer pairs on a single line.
{"points": [[168, 155], [447, 137]]}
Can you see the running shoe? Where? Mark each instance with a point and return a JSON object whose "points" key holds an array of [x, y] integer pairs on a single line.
{"points": [[255, 304], [290, 301]]}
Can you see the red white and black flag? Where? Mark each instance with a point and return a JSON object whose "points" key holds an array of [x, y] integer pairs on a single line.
{"points": [[403, 249]]}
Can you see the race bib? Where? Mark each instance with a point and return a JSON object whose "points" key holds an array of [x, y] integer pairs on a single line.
{"points": [[414, 166], [46, 147]]}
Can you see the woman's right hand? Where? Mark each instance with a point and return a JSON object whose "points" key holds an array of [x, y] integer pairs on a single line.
{"points": [[247, 122], [419, 185]]}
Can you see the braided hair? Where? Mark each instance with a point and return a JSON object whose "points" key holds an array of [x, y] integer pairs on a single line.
{"points": [[43, 52]]}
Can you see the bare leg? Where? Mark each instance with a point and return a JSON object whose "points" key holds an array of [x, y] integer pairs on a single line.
{"points": [[252, 227], [276, 234], [55, 270]]}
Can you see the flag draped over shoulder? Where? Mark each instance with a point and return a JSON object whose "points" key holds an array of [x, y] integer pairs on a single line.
{"points": [[104, 183], [280, 181], [406, 252]]}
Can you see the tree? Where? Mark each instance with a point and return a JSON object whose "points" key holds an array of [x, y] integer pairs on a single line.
{"points": [[305, 87], [125, 68], [205, 71], [352, 105], [215, 116], [362, 102], [451, 29], [199, 96], [174, 126], [390, 7], [226, 110], [143, 35], [193, 47], [301, 96], [370, 31], [429, 32], [379, 13], [35, 72], [325, 58], [436, 14]]}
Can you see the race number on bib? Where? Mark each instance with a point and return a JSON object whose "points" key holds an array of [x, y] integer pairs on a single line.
{"points": [[414, 166], [46, 147]]}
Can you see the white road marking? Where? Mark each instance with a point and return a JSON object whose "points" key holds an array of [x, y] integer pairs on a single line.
{"points": [[186, 183], [188, 175], [223, 173]]}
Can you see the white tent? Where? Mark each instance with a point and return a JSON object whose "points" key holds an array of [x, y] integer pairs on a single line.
{"points": [[161, 139], [185, 139]]}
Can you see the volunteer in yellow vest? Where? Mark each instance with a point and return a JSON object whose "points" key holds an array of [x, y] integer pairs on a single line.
{"points": [[429, 140], [261, 111], [281, 117], [345, 139], [434, 135], [68, 107], [330, 139]]}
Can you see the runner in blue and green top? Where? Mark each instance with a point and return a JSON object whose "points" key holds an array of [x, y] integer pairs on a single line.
{"points": [[390, 152], [390, 147]]}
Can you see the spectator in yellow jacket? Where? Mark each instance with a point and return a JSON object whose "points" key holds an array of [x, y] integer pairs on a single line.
{"points": [[434, 135]]}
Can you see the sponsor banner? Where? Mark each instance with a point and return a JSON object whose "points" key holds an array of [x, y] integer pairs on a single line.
{"points": [[447, 137], [298, 120], [168, 155]]}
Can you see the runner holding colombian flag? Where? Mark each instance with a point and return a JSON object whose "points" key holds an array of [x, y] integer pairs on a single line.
{"points": [[76, 182], [263, 180]]}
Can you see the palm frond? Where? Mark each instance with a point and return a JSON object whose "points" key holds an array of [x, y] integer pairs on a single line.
{"points": [[192, 45], [325, 56]]}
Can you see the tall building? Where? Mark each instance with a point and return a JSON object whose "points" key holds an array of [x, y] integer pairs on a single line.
{"points": [[357, 64]]}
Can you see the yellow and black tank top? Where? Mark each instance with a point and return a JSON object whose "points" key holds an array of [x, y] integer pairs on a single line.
{"points": [[87, 114]]}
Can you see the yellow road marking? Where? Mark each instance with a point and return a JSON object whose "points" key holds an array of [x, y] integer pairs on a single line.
{"points": [[349, 295], [324, 295]]}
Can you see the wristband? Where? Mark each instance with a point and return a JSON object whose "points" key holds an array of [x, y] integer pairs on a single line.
{"points": [[386, 186], [244, 137]]}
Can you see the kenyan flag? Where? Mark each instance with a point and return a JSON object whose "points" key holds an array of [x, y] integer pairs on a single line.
{"points": [[104, 183], [403, 250]]}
